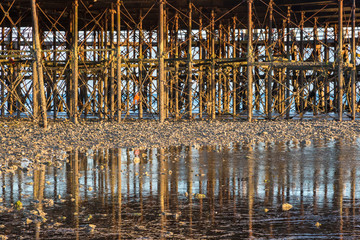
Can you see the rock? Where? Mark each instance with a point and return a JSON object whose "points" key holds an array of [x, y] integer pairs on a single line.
{"points": [[200, 196], [90, 228], [18, 205], [48, 202], [28, 221], [286, 207]]}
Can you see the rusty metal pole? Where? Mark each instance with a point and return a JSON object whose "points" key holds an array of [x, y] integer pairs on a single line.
{"points": [[301, 84], [112, 64], [316, 58], [75, 63], [213, 72], [38, 59], [36, 96], [176, 66], [270, 77], [2, 93], [288, 107], [250, 62], [141, 68], [189, 60], [161, 57], [340, 61], [118, 59], [353, 54], [326, 79], [201, 69], [234, 70]]}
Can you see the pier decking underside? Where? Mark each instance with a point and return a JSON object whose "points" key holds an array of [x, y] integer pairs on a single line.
{"points": [[173, 59]]}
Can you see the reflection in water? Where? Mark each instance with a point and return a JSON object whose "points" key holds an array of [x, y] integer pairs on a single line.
{"points": [[228, 192]]}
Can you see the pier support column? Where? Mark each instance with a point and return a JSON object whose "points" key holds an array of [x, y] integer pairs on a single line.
{"points": [[112, 64], [340, 61], [201, 69], [353, 55], [302, 72], [36, 97], [288, 107], [75, 64], [189, 61], [176, 66], [118, 59], [141, 68], [326, 79], [234, 70], [250, 62], [2, 72], [161, 56], [270, 74], [38, 60], [213, 72]]}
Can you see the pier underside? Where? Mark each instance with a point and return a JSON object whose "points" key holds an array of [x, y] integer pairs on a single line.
{"points": [[171, 59]]}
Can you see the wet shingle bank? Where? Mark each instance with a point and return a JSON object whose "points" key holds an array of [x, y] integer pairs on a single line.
{"points": [[25, 141]]}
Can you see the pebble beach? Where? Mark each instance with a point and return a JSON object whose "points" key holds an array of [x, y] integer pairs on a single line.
{"points": [[23, 140]]}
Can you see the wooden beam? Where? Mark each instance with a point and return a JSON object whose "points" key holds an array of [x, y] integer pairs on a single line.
{"points": [[38, 59]]}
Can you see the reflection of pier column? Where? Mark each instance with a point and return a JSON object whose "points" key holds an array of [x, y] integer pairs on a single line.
{"points": [[76, 191], [174, 189], [162, 191], [251, 187], [190, 186], [128, 174], [112, 182], [141, 183], [302, 179], [339, 186], [38, 191], [315, 185], [353, 188], [211, 184], [150, 154], [119, 191]]}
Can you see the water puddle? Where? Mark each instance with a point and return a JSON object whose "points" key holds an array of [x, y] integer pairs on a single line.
{"points": [[282, 190]]}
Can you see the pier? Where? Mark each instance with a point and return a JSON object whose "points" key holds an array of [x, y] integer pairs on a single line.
{"points": [[170, 59]]}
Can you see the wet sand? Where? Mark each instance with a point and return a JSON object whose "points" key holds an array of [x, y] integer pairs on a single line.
{"points": [[23, 139]]}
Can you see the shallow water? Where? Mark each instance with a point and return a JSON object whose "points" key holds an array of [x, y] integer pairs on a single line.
{"points": [[232, 192]]}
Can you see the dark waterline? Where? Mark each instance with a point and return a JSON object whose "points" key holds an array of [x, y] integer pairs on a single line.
{"points": [[232, 192]]}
